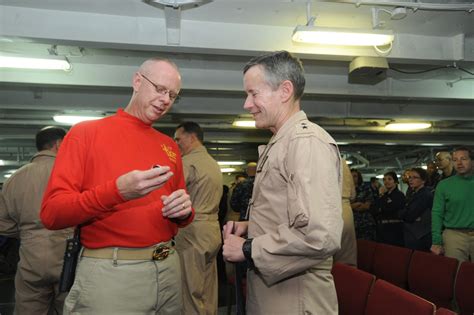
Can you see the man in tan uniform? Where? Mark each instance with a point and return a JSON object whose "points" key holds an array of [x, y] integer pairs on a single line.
{"points": [[295, 220], [41, 250], [348, 252], [199, 242]]}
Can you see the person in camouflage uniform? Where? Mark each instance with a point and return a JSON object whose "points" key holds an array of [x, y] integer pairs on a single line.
{"points": [[364, 221]]}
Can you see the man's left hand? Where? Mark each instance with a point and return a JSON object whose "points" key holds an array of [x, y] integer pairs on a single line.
{"points": [[232, 248], [177, 205]]}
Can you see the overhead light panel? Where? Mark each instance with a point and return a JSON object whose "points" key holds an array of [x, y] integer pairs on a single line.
{"points": [[407, 126], [228, 170], [312, 34], [432, 144], [45, 63], [341, 36], [74, 119], [244, 123], [230, 162]]}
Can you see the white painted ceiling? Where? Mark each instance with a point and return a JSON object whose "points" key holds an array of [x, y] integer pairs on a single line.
{"points": [[107, 40]]}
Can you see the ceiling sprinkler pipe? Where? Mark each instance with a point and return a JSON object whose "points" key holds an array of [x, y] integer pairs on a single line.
{"points": [[414, 5]]}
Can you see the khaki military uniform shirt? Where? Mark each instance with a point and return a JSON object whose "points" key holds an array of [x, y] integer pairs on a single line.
{"points": [[199, 242], [41, 250], [295, 222]]}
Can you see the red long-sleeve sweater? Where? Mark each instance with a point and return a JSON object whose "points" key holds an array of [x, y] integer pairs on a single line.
{"points": [[82, 187]]}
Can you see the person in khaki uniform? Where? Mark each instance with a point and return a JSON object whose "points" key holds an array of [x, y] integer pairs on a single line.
{"points": [[348, 252], [295, 222], [41, 250], [199, 242]]}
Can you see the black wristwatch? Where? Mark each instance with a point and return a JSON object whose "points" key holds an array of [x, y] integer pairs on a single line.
{"points": [[247, 250]]}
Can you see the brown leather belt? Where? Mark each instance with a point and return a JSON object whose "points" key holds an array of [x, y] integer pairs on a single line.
{"points": [[157, 252]]}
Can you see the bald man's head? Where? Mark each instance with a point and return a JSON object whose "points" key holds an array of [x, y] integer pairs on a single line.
{"points": [[443, 160]]}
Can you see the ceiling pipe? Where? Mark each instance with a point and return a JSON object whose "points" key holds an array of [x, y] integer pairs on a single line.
{"points": [[414, 5]]}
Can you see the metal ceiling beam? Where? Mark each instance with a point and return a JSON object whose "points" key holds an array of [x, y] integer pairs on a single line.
{"points": [[132, 33]]}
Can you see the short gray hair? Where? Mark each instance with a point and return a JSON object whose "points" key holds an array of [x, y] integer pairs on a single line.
{"points": [[280, 66], [144, 68]]}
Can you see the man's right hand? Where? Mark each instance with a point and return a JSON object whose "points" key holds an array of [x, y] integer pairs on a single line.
{"points": [[136, 184], [235, 228], [437, 249]]}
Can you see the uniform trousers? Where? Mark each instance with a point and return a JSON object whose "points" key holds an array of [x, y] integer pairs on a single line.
{"points": [[37, 277], [459, 244], [198, 245], [348, 252], [107, 286]]}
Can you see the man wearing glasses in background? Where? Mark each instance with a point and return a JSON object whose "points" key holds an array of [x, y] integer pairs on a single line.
{"points": [[122, 181]]}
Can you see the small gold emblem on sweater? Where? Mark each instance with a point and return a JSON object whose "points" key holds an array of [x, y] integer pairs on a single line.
{"points": [[169, 152]]}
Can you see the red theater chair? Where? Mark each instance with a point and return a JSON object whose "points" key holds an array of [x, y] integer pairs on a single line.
{"points": [[353, 287], [388, 299], [365, 254], [464, 288], [432, 277], [391, 264]]}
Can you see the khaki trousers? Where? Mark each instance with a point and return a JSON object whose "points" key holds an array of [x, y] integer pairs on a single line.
{"points": [[348, 252], [459, 245], [198, 245], [37, 277], [309, 293], [104, 286]]}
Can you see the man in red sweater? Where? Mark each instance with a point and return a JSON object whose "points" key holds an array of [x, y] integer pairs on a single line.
{"points": [[129, 211]]}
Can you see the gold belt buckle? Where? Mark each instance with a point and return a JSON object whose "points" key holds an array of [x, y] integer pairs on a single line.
{"points": [[161, 252]]}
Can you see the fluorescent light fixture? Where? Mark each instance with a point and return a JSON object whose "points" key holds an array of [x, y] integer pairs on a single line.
{"points": [[341, 36], [230, 162], [342, 143], [394, 126], [390, 143], [349, 162], [244, 123], [9, 173], [379, 176], [432, 144], [74, 119], [228, 170], [46, 63]]}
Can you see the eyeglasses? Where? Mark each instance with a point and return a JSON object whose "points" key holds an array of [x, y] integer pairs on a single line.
{"points": [[160, 89]]}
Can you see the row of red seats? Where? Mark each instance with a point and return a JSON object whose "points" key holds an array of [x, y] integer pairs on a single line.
{"points": [[359, 293], [435, 278]]}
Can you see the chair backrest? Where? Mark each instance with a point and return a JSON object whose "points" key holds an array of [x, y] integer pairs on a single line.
{"points": [[353, 287], [391, 264], [464, 288], [432, 277], [389, 299], [444, 311], [365, 254]]}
